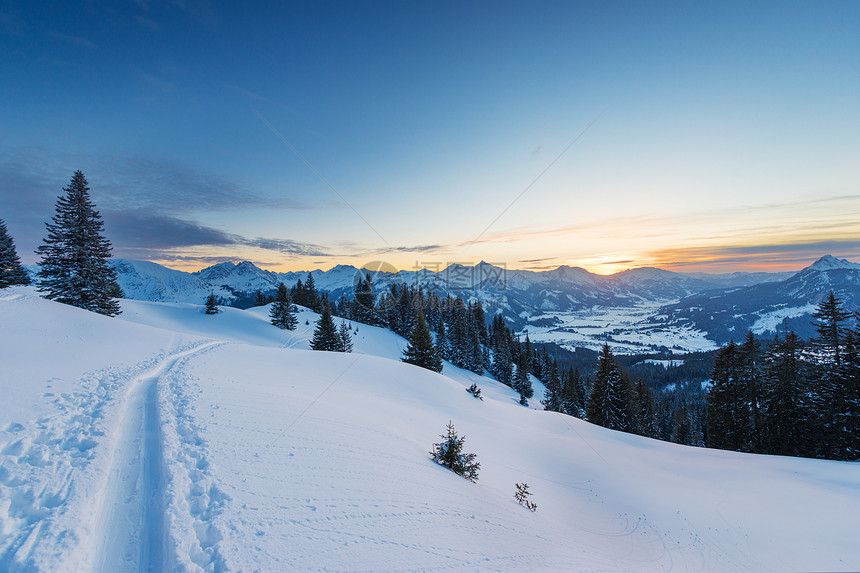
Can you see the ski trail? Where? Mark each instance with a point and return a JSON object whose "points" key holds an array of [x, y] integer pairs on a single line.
{"points": [[133, 508], [152, 540]]}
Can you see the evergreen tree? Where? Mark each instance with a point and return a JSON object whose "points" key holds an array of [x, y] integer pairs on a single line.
{"points": [[681, 426], [552, 395], [475, 391], [260, 299], [449, 453], [787, 415], [841, 414], [828, 324], [311, 294], [476, 311], [608, 403], [522, 382], [403, 312], [459, 335], [476, 350], [829, 375], [282, 313], [345, 337], [326, 336], [522, 495], [750, 378], [74, 268], [728, 412], [644, 412], [421, 351], [11, 271], [211, 304], [362, 301], [297, 293], [501, 364], [442, 341]]}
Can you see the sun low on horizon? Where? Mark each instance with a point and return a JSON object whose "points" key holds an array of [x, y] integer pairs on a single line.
{"points": [[687, 137]]}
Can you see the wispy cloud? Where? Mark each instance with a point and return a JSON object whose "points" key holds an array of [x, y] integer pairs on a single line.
{"points": [[147, 203], [148, 23], [789, 256], [140, 233], [75, 40], [254, 96]]}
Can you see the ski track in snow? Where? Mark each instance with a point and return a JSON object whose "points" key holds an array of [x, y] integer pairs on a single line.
{"points": [[135, 501], [51, 473]]}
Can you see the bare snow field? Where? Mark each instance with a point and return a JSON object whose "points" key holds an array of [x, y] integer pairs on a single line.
{"points": [[167, 439]]}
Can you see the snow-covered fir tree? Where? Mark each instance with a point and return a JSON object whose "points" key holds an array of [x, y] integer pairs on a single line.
{"points": [[326, 336], [362, 308], [442, 341], [552, 396], [788, 416], [728, 409], [73, 269], [345, 337], [749, 363], [283, 312], [521, 381], [421, 351], [11, 271], [211, 304], [449, 453], [608, 402], [312, 297]]}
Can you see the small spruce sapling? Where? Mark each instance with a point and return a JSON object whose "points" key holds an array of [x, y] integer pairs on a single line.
{"points": [[475, 391], [522, 496], [449, 453], [211, 304]]}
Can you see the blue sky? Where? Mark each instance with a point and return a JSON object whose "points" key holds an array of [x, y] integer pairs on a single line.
{"points": [[691, 136]]}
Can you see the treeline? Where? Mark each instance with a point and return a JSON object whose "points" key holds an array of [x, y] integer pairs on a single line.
{"points": [[792, 397], [304, 294]]}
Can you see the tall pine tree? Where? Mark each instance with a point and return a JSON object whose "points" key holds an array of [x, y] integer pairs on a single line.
{"points": [[326, 336], [728, 412], [787, 414], [608, 404], [11, 271], [283, 311], [74, 268], [829, 374], [421, 351], [751, 381], [442, 341]]}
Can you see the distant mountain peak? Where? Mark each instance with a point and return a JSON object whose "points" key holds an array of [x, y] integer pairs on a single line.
{"points": [[829, 262]]}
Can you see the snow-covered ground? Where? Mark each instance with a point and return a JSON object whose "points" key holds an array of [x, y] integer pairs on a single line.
{"points": [[170, 440], [629, 330]]}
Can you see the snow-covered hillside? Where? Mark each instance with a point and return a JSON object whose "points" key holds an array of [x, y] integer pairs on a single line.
{"points": [[170, 440]]}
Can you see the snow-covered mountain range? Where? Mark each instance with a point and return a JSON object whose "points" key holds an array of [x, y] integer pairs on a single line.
{"points": [[639, 310], [767, 308]]}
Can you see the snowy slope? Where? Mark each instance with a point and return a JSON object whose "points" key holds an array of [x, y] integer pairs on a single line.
{"points": [[168, 441]]}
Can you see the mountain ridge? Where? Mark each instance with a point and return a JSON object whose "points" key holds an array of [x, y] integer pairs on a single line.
{"points": [[700, 311]]}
